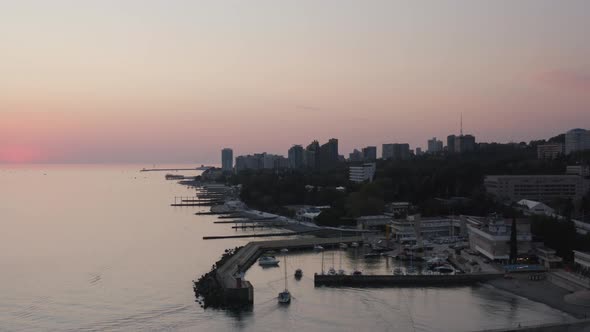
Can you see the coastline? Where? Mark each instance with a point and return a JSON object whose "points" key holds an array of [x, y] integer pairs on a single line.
{"points": [[542, 291]]}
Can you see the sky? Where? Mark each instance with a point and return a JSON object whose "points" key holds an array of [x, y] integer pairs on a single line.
{"points": [[133, 81]]}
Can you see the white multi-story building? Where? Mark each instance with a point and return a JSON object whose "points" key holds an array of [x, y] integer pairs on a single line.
{"points": [[491, 236], [535, 187], [406, 229], [577, 140], [549, 151], [363, 173]]}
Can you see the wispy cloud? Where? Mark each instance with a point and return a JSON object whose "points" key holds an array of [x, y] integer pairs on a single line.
{"points": [[570, 79]]}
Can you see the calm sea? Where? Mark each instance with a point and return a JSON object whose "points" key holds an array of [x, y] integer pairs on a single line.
{"points": [[93, 248]]}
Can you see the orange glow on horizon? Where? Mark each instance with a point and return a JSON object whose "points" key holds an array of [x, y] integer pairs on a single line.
{"points": [[20, 154]]}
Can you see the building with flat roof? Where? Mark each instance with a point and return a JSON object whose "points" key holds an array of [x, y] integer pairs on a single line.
{"points": [[370, 153], [365, 172], [368, 222], [577, 140], [581, 170], [451, 143], [464, 143], [398, 209], [582, 259], [227, 160], [548, 258], [329, 155], [406, 229], [491, 236], [435, 146], [541, 188], [295, 155], [355, 156], [396, 151], [549, 151]]}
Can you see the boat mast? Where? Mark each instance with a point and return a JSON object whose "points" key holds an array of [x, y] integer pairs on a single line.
{"points": [[285, 254]]}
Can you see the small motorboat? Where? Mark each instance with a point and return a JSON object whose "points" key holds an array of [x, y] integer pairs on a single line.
{"points": [[298, 274], [354, 245], [343, 246], [317, 247], [357, 273], [284, 297], [436, 261], [445, 269], [268, 261]]}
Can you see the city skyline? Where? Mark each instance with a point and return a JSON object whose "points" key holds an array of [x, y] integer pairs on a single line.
{"points": [[173, 82]]}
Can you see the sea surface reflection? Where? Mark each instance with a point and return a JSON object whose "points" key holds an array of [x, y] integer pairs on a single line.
{"points": [[94, 247]]}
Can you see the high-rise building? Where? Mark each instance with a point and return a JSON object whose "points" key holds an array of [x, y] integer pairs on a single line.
{"points": [[296, 156], [311, 156], [329, 154], [356, 155], [464, 143], [227, 160], [577, 140], [418, 151], [261, 161], [434, 145], [451, 143], [370, 153], [396, 151]]}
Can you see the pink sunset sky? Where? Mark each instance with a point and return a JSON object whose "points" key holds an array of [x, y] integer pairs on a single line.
{"points": [[176, 81]]}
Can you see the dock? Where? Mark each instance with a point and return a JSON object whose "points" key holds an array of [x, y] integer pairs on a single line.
{"points": [[194, 201], [439, 280], [211, 213], [218, 237], [242, 291], [202, 168]]}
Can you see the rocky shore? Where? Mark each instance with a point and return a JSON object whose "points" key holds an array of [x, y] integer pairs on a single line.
{"points": [[208, 292]]}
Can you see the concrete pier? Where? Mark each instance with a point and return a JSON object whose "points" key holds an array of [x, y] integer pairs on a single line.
{"points": [[404, 280]]}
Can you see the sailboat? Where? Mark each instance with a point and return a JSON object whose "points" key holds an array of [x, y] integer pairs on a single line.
{"points": [[332, 271], [340, 270], [285, 296]]}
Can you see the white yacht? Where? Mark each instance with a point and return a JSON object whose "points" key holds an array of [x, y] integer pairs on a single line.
{"points": [[268, 261], [284, 296]]}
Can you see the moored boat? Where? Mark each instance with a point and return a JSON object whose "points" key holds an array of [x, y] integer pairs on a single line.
{"points": [[284, 297], [298, 274], [268, 261]]}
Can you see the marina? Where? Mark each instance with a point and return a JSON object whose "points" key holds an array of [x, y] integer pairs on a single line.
{"points": [[148, 285]]}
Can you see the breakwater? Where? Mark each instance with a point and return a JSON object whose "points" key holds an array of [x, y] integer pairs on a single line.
{"points": [[207, 290], [223, 287], [403, 280]]}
